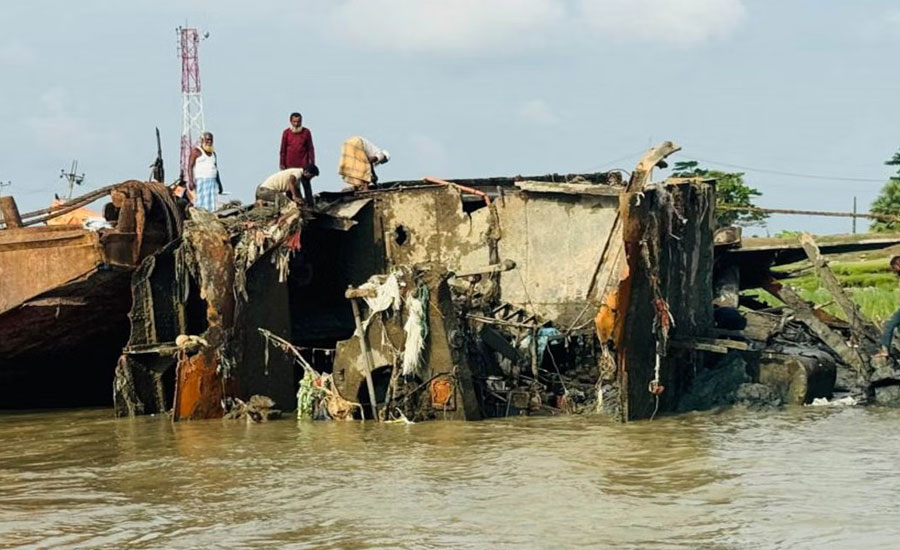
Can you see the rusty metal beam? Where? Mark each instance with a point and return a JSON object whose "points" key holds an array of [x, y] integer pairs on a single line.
{"points": [[10, 212]]}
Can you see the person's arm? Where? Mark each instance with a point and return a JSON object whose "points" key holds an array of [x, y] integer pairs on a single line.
{"points": [[311, 157], [190, 168], [282, 157], [295, 193]]}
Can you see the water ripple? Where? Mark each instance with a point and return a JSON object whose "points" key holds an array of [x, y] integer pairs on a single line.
{"points": [[794, 479]]}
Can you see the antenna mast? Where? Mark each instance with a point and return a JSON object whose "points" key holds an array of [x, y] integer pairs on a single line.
{"points": [[192, 124], [73, 177]]}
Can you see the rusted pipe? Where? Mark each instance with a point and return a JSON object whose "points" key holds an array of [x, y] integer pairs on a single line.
{"points": [[351, 293], [463, 188], [87, 198], [56, 211]]}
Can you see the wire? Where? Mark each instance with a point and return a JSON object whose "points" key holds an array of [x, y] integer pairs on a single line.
{"points": [[789, 174], [655, 408], [620, 159]]}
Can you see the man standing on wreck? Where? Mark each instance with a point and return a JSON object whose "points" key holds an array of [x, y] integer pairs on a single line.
{"points": [[203, 174], [888, 335], [297, 149]]}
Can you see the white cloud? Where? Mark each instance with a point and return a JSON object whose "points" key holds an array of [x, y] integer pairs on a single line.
{"points": [[680, 22], [57, 129], [448, 26], [508, 26], [16, 54], [537, 111]]}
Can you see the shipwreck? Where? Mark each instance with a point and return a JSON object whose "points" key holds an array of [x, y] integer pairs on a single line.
{"points": [[431, 299], [65, 290]]}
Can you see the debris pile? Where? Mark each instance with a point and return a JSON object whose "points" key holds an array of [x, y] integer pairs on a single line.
{"points": [[193, 315], [798, 351]]}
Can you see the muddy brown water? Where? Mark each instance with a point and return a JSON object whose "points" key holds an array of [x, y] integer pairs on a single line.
{"points": [[807, 478]]}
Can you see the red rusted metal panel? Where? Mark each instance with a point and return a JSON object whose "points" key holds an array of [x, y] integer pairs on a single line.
{"points": [[198, 387]]}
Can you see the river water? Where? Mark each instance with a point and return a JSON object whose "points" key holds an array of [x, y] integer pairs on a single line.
{"points": [[803, 478]]}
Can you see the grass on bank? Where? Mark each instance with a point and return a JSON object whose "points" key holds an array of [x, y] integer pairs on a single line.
{"points": [[869, 282]]}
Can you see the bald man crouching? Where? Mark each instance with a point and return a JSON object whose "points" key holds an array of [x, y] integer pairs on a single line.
{"points": [[283, 184]]}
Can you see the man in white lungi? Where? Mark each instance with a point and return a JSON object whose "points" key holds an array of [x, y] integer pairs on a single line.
{"points": [[203, 174]]}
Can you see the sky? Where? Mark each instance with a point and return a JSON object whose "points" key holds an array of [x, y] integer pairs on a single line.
{"points": [[463, 88]]}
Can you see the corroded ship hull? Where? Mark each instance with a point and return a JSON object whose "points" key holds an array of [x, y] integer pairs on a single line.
{"points": [[65, 292]]}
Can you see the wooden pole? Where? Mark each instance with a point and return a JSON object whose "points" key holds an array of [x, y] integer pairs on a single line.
{"points": [[860, 326], [854, 215], [364, 347], [10, 212]]}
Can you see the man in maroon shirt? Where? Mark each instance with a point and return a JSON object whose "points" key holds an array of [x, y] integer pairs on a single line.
{"points": [[297, 149]]}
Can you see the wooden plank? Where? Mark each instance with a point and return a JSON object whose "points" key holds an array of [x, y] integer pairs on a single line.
{"points": [[859, 325], [807, 316], [699, 346], [731, 344]]}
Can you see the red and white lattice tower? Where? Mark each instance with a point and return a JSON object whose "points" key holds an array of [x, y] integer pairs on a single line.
{"points": [[192, 124]]}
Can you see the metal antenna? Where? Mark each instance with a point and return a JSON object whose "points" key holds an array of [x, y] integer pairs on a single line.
{"points": [[192, 123], [73, 177]]}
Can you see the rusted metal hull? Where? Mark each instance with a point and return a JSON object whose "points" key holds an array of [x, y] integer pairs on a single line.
{"points": [[57, 289], [59, 318], [196, 307], [65, 290], [35, 260]]}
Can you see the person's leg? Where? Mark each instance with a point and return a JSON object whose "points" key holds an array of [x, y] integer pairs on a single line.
{"points": [[266, 195], [206, 194], [888, 335]]}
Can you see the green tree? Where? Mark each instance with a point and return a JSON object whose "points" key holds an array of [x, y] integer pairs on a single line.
{"points": [[730, 190], [888, 202], [788, 234]]}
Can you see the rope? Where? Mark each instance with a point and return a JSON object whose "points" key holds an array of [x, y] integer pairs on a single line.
{"points": [[314, 385]]}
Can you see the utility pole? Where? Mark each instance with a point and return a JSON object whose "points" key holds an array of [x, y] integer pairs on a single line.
{"points": [[192, 123], [854, 215], [73, 177]]}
